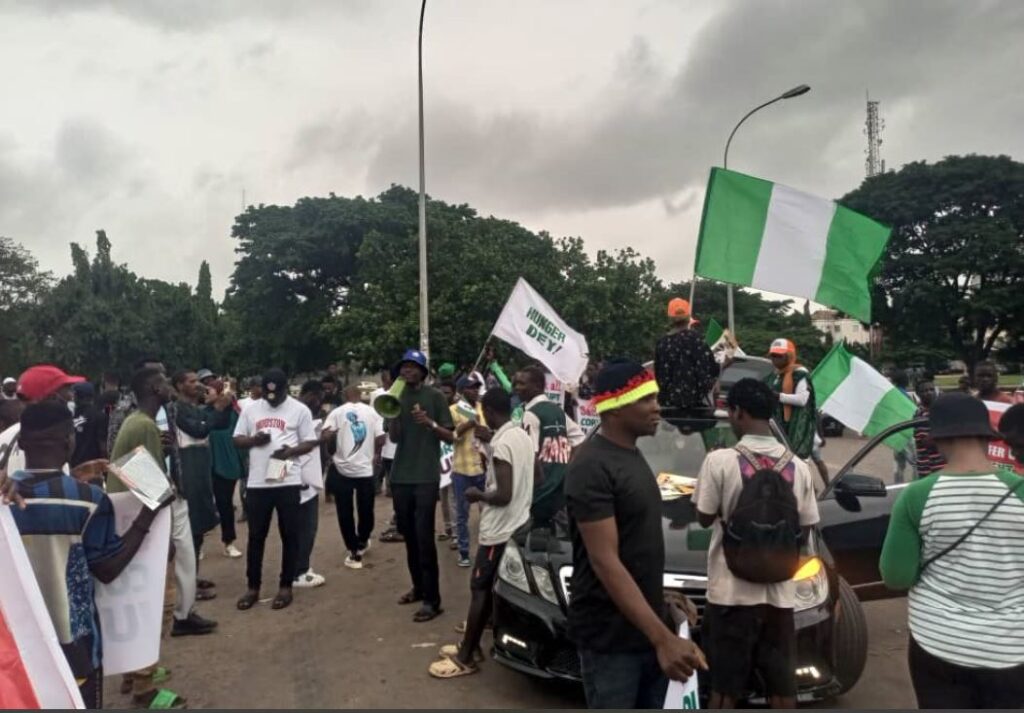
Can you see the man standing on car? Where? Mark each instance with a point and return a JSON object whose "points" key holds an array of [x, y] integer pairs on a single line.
{"points": [[617, 613], [795, 409], [748, 627], [423, 423], [684, 365], [954, 541]]}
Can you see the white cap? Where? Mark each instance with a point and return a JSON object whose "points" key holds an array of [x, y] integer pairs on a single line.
{"points": [[10, 380]]}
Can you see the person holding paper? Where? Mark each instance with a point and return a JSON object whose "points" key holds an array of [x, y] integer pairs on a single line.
{"points": [[70, 538], [277, 431]]}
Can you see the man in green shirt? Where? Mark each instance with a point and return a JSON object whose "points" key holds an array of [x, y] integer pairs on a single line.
{"points": [[424, 422]]}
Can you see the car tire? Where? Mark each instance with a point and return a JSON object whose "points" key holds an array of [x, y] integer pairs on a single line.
{"points": [[850, 639]]}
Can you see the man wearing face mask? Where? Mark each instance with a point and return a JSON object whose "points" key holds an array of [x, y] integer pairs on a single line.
{"points": [[424, 422], [277, 431]]}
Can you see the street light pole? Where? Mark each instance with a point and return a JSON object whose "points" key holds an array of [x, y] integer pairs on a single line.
{"points": [[424, 291], [796, 91]]}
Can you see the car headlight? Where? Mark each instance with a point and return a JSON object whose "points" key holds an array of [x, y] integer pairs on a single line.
{"points": [[543, 581], [811, 584], [511, 569]]}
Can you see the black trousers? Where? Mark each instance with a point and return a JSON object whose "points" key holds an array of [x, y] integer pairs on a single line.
{"points": [[224, 496], [415, 510], [355, 535], [310, 522], [941, 684], [92, 690], [260, 505]]}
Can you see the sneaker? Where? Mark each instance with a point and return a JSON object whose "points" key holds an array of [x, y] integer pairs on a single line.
{"points": [[232, 551], [195, 625], [464, 561], [309, 580], [354, 560], [363, 549]]}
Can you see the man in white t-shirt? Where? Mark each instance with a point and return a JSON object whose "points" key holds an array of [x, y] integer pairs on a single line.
{"points": [[506, 503], [278, 431], [357, 448], [748, 626]]}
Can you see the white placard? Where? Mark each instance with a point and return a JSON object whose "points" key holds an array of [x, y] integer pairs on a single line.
{"points": [[131, 607], [683, 696], [586, 415], [34, 667]]}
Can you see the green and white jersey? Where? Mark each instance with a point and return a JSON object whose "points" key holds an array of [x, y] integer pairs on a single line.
{"points": [[967, 606]]}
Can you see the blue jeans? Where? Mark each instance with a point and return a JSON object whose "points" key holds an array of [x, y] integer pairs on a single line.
{"points": [[461, 483], [623, 680]]}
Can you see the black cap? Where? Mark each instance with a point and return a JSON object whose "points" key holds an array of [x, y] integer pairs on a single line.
{"points": [[959, 415]]}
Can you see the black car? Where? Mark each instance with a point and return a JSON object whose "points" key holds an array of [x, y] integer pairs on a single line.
{"points": [[841, 567]]}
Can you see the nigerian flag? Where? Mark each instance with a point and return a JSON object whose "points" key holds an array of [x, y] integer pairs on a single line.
{"points": [[851, 391], [718, 338], [772, 237]]}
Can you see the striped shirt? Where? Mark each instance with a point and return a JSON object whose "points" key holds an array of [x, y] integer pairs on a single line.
{"points": [[967, 606]]}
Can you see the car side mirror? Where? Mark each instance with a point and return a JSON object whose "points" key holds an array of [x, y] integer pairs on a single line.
{"points": [[855, 484]]}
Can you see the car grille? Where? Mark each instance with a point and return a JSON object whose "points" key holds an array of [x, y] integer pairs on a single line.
{"points": [[565, 662], [695, 587]]}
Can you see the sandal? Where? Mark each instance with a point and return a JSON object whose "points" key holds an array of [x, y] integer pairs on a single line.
{"points": [[160, 676], [247, 600], [452, 650], [205, 595], [451, 668], [410, 597], [427, 613], [162, 700], [282, 600]]}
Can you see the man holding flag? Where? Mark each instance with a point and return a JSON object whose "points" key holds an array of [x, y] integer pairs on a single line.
{"points": [[684, 366]]}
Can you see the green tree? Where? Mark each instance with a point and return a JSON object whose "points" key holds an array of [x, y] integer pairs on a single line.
{"points": [[952, 279], [22, 286]]}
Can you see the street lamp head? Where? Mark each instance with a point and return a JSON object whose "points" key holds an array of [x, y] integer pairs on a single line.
{"points": [[796, 91]]}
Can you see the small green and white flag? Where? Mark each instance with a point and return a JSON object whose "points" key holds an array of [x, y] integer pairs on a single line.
{"points": [[721, 341], [851, 391], [772, 237]]}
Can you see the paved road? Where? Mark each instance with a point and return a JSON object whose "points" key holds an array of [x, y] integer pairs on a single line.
{"points": [[349, 645]]}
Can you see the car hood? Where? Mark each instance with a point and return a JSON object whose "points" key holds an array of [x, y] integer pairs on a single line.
{"points": [[686, 542]]}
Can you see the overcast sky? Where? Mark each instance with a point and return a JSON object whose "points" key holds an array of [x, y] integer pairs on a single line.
{"points": [[598, 119]]}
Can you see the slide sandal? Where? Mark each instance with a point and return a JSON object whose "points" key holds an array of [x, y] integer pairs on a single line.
{"points": [[160, 676], [166, 699], [451, 668], [282, 600], [247, 600], [410, 597], [452, 650]]}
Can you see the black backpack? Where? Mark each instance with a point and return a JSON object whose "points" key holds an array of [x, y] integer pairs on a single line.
{"points": [[761, 540]]}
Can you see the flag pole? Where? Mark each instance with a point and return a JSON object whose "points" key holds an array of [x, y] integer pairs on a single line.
{"points": [[424, 291]]}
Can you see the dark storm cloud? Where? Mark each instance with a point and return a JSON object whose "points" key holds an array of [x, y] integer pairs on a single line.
{"points": [[949, 68]]}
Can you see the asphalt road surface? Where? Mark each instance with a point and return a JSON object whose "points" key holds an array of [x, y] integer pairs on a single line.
{"points": [[349, 645]]}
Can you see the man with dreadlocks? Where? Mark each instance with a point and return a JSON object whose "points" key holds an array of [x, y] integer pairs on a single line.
{"points": [[796, 411]]}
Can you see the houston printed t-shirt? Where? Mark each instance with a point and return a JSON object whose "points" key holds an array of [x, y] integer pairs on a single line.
{"points": [[288, 425]]}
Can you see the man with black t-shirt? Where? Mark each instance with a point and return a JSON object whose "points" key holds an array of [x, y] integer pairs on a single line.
{"points": [[617, 614]]}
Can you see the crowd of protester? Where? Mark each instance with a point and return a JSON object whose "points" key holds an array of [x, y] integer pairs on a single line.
{"points": [[273, 447]]}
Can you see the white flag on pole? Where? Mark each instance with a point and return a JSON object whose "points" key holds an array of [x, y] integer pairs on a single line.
{"points": [[529, 323]]}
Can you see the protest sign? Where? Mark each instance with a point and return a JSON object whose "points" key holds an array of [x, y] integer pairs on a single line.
{"points": [[586, 415], [131, 607], [447, 461], [554, 389], [683, 696], [998, 451], [528, 322], [33, 670]]}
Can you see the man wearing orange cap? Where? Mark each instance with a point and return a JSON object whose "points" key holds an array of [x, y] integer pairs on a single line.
{"points": [[796, 410], [684, 366], [37, 383]]}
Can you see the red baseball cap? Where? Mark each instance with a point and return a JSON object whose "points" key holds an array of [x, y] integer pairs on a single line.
{"points": [[39, 382]]}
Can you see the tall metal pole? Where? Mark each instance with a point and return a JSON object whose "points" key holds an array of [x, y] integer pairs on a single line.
{"points": [[424, 291], [794, 92]]}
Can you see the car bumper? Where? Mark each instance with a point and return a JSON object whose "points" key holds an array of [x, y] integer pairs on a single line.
{"points": [[530, 636]]}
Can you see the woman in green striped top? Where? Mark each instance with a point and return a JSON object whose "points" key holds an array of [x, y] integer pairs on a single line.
{"points": [[956, 541]]}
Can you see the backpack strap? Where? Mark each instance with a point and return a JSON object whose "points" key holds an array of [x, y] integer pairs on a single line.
{"points": [[752, 458], [963, 537]]}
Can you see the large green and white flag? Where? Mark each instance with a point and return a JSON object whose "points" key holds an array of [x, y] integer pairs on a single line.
{"points": [[772, 237], [851, 391]]}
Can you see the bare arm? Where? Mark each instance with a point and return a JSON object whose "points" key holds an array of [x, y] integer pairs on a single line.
{"points": [[502, 494]]}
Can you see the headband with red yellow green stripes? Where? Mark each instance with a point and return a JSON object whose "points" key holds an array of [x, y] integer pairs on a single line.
{"points": [[640, 386]]}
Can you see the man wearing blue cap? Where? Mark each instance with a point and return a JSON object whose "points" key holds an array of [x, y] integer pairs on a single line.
{"points": [[425, 421]]}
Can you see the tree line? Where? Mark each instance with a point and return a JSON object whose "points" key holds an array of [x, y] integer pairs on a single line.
{"points": [[335, 279]]}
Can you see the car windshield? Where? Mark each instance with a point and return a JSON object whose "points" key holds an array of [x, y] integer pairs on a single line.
{"points": [[745, 369], [671, 451]]}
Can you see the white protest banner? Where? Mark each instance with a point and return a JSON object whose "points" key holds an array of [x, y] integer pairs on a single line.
{"points": [[683, 696], [586, 415], [131, 607], [554, 389], [447, 463], [529, 323], [33, 670]]}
